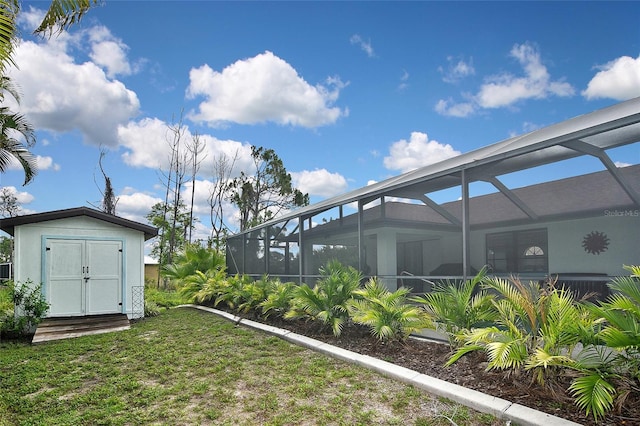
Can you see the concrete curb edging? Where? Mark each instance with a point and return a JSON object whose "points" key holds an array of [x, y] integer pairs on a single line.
{"points": [[498, 407]]}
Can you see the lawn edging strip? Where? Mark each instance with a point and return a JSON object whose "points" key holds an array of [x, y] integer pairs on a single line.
{"points": [[498, 407]]}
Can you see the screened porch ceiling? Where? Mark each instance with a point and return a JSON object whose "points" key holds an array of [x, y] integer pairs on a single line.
{"points": [[590, 134]]}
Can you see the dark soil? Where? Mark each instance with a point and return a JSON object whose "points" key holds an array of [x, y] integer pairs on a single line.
{"points": [[429, 357]]}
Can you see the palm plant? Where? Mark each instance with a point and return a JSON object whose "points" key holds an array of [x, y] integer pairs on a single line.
{"points": [[457, 307], [16, 135], [253, 294], [194, 258], [279, 299], [610, 373], [203, 286], [233, 291], [328, 301], [389, 315], [534, 329]]}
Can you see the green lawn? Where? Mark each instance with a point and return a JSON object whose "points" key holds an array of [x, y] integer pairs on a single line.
{"points": [[191, 367]]}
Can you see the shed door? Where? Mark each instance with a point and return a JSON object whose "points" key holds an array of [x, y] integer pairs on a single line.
{"points": [[84, 277]]}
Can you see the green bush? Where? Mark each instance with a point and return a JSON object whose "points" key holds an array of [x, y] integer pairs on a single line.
{"points": [[610, 369], [328, 301], [163, 298], [151, 309], [279, 299], [388, 314], [22, 308], [459, 307]]}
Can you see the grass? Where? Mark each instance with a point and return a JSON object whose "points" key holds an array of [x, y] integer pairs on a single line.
{"points": [[190, 367]]}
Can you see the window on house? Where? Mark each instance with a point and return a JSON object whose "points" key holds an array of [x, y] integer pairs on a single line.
{"points": [[518, 251]]}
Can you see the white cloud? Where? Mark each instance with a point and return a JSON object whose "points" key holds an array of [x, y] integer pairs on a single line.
{"points": [[109, 52], [364, 45], [46, 163], [42, 163], [22, 197], [135, 205], [618, 79], [147, 144], [456, 71], [60, 95], [452, 109], [621, 164], [417, 152], [506, 89], [260, 89], [319, 182]]}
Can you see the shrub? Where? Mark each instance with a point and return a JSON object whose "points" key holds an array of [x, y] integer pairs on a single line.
{"points": [[193, 258], [459, 307], [535, 327], [388, 314], [151, 309], [163, 298], [25, 310], [609, 375], [328, 301], [279, 299]]}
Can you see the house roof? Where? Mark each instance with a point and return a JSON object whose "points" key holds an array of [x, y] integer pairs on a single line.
{"points": [[593, 194], [8, 225], [589, 134]]}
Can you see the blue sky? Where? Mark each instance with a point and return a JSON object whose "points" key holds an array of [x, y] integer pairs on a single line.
{"points": [[346, 93]]}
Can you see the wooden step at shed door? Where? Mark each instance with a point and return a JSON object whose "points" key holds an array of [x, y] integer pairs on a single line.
{"points": [[69, 327]]}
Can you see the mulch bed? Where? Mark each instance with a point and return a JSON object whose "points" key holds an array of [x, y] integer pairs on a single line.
{"points": [[429, 357]]}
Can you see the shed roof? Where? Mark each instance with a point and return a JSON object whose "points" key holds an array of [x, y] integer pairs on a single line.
{"points": [[591, 134], [8, 225]]}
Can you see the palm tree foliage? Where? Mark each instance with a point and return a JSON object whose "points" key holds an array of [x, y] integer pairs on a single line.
{"points": [[62, 14], [388, 314], [456, 307], [279, 299], [9, 10], [194, 258], [12, 148], [535, 327], [610, 371], [203, 286], [328, 301]]}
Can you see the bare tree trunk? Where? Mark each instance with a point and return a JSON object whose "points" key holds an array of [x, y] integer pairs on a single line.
{"points": [[222, 169], [195, 149]]}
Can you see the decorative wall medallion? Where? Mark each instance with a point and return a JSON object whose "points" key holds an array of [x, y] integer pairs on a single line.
{"points": [[595, 242]]}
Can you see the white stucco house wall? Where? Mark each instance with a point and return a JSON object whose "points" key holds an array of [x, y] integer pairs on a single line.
{"points": [[88, 262]]}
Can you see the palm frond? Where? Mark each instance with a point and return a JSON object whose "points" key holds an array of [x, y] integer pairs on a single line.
{"points": [[593, 394], [8, 32], [62, 14]]}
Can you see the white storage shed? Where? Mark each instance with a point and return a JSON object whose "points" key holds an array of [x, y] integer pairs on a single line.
{"points": [[89, 262]]}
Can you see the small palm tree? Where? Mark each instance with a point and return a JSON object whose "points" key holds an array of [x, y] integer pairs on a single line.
{"points": [[388, 314], [194, 258], [610, 369], [202, 286], [535, 327], [278, 301], [457, 307], [328, 301]]}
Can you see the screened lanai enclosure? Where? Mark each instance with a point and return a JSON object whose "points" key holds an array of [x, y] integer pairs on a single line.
{"points": [[562, 201]]}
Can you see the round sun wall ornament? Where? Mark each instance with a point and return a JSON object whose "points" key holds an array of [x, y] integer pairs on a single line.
{"points": [[595, 242]]}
